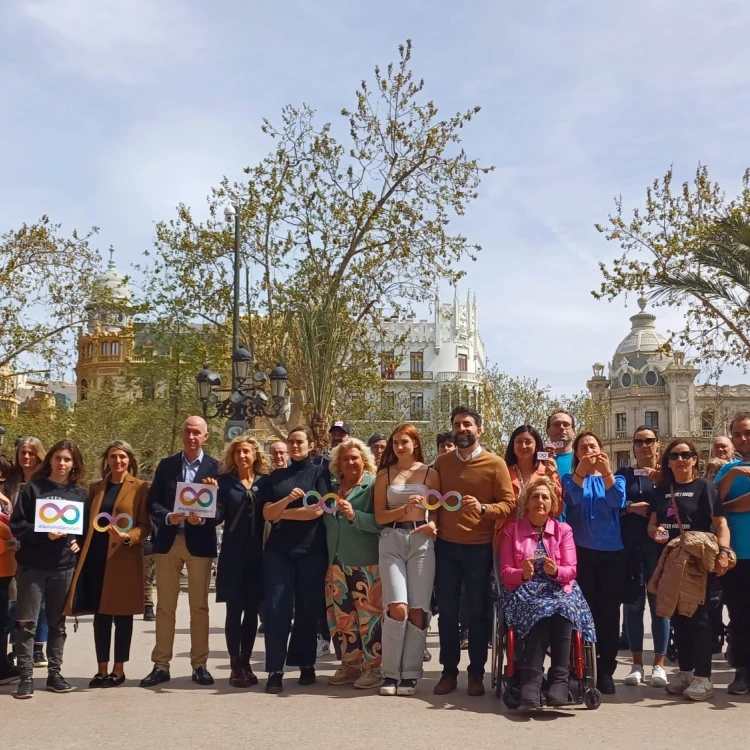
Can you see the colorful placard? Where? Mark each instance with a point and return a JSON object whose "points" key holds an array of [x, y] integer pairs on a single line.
{"points": [[315, 500], [442, 500], [122, 522], [54, 515], [196, 498]]}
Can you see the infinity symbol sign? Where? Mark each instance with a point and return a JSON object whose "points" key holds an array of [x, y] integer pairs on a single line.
{"points": [[60, 514], [442, 500], [104, 520], [188, 496], [322, 501]]}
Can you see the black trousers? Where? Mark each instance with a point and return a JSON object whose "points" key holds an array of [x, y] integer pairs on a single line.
{"points": [[241, 626], [103, 637], [4, 619], [601, 576], [694, 636], [736, 587], [554, 633]]}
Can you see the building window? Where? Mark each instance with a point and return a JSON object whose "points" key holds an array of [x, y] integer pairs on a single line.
{"points": [[416, 365], [84, 389], [463, 363], [90, 350], [623, 458], [115, 348], [389, 405], [621, 425], [626, 380], [651, 378], [388, 365], [416, 410], [105, 349], [652, 419], [707, 424]]}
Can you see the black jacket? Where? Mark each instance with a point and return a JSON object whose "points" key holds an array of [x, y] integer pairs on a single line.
{"points": [[200, 540]]}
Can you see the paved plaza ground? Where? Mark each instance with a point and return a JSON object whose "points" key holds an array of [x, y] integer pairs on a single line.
{"points": [[183, 715]]}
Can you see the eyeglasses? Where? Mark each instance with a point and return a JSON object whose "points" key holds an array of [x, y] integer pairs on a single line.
{"points": [[684, 455], [639, 443]]}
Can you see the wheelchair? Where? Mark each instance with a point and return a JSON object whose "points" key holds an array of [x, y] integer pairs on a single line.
{"points": [[506, 665]]}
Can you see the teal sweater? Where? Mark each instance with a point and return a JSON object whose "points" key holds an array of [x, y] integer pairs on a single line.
{"points": [[355, 543]]}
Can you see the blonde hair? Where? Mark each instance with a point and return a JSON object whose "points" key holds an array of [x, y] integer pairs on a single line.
{"points": [[556, 507], [120, 445], [367, 458], [714, 464], [260, 465]]}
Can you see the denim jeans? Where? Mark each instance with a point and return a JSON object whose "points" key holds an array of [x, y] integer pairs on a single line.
{"points": [[34, 587], [634, 612], [293, 582], [470, 565]]}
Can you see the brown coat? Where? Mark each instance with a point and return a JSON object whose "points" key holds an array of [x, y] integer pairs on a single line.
{"points": [[122, 591], [679, 580]]}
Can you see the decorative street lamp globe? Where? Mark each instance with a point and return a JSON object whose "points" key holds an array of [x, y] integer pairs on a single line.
{"points": [[279, 379], [208, 381], [242, 360]]}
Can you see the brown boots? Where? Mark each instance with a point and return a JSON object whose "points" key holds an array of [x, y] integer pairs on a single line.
{"points": [[242, 676]]}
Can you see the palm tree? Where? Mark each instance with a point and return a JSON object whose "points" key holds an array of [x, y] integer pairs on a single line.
{"points": [[718, 276]]}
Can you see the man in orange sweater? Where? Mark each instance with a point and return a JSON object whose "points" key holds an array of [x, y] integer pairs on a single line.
{"points": [[463, 550]]}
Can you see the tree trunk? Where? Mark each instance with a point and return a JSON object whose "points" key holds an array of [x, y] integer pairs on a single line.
{"points": [[319, 426]]}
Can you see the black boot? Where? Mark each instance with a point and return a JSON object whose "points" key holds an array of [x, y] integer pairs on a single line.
{"points": [[557, 692], [531, 688]]}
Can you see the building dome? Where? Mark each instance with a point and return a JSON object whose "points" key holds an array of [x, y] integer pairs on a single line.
{"points": [[113, 283], [640, 358]]}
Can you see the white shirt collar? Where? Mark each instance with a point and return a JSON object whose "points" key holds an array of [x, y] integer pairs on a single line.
{"points": [[474, 454]]}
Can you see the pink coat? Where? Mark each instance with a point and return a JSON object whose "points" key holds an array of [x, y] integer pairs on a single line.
{"points": [[519, 542]]}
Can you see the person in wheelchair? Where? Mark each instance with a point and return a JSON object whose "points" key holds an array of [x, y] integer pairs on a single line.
{"points": [[540, 598]]}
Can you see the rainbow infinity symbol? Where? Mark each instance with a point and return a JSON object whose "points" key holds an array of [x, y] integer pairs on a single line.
{"points": [[188, 496], [104, 520], [61, 513], [315, 500], [442, 500]]}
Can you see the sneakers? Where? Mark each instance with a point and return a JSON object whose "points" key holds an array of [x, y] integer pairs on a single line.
{"points": [[25, 688], [739, 685], [636, 675], [274, 684], [148, 613], [700, 689], [679, 683], [658, 677], [606, 684], [307, 676], [427, 656], [464, 640], [389, 686], [56, 683], [406, 687], [345, 675], [323, 649], [370, 678], [40, 660]]}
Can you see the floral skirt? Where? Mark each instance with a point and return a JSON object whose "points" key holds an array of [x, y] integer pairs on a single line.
{"points": [[537, 599], [354, 600]]}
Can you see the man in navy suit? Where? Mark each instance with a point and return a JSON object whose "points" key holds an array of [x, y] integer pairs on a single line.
{"points": [[182, 539]]}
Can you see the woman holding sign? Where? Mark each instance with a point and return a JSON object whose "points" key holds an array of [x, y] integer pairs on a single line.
{"points": [[407, 557], [239, 575], [53, 500], [108, 582]]}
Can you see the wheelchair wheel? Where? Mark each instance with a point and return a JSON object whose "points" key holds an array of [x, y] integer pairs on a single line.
{"points": [[498, 644], [592, 699], [511, 693], [589, 663]]}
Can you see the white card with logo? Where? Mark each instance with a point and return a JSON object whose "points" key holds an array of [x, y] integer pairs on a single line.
{"points": [[58, 516], [191, 497]]}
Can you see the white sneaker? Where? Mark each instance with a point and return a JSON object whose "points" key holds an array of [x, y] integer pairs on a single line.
{"points": [[658, 677], [679, 683], [323, 649], [636, 675], [700, 689]]}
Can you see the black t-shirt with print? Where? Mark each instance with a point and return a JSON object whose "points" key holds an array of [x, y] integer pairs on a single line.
{"points": [[697, 502]]}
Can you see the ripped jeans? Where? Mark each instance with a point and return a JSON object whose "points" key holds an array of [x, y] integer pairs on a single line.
{"points": [[407, 572]]}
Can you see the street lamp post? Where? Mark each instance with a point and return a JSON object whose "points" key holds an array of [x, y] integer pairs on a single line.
{"points": [[248, 398]]}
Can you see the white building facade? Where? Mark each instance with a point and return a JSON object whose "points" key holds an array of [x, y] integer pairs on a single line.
{"points": [[429, 366], [646, 385]]}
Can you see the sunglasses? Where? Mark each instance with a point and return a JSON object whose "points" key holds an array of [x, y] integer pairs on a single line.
{"points": [[639, 443], [684, 455]]}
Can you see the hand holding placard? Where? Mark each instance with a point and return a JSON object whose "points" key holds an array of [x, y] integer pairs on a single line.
{"points": [[196, 498], [54, 515]]}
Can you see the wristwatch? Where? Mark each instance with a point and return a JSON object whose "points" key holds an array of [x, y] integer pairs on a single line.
{"points": [[482, 510]]}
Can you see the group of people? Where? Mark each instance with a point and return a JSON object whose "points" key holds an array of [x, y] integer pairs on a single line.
{"points": [[373, 541]]}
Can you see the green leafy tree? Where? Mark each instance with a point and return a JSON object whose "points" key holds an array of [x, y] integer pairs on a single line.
{"points": [[684, 248]]}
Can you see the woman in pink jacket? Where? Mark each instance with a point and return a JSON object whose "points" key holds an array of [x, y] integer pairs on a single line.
{"points": [[541, 600]]}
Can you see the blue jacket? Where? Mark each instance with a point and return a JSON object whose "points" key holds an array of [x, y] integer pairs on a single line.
{"points": [[594, 513]]}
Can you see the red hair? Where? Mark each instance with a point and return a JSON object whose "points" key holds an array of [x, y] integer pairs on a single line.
{"points": [[389, 457]]}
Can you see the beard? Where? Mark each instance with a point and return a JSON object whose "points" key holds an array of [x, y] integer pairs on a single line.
{"points": [[465, 440]]}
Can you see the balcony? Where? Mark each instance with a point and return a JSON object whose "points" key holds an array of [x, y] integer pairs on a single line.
{"points": [[639, 390], [707, 434], [457, 376], [406, 375], [621, 435]]}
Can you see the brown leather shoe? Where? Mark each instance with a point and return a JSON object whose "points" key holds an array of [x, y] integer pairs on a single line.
{"points": [[476, 686], [447, 684]]}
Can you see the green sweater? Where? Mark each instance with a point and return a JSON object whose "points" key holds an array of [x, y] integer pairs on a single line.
{"points": [[355, 543]]}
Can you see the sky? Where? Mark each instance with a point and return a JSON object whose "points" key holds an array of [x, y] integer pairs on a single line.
{"points": [[115, 111]]}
